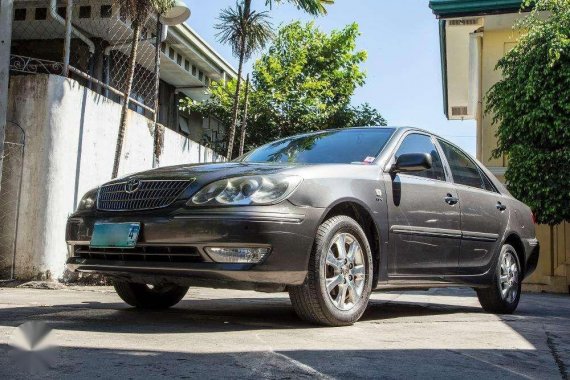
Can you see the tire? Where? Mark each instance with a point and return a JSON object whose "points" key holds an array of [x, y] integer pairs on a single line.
{"points": [[503, 296], [143, 296], [336, 307]]}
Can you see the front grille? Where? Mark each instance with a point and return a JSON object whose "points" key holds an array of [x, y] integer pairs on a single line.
{"points": [[139, 195], [149, 253]]}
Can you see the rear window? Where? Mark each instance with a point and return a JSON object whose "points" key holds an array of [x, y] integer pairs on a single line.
{"points": [[331, 147]]}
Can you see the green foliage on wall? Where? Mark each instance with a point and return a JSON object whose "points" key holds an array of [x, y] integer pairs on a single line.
{"points": [[531, 106]]}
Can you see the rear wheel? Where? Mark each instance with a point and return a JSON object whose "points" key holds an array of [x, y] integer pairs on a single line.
{"points": [[504, 294], [145, 296], [339, 280]]}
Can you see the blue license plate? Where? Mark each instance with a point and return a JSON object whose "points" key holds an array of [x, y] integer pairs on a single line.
{"points": [[115, 235]]}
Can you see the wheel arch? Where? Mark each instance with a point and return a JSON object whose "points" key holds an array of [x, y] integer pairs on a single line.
{"points": [[362, 214], [515, 241]]}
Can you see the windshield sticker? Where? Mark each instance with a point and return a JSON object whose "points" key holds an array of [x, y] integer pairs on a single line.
{"points": [[369, 159]]}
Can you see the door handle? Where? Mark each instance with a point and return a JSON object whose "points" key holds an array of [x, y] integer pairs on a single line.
{"points": [[450, 199], [500, 206]]}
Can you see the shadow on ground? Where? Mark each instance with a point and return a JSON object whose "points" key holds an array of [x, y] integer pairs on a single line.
{"points": [[253, 315]]}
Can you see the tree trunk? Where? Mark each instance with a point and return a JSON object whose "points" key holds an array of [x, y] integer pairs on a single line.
{"points": [[244, 120], [126, 96], [235, 108], [158, 136]]}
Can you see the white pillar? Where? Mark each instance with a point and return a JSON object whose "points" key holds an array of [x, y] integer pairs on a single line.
{"points": [[5, 41]]}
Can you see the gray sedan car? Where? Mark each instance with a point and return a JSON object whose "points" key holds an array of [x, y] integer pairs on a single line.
{"points": [[328, 216]]}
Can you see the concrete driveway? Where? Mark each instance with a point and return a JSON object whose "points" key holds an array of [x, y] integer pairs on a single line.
{"points": [[231, 334]]}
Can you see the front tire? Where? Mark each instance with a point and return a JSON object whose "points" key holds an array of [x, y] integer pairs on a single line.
{"points": [[339, 280], [503, 296], [145, 296]]}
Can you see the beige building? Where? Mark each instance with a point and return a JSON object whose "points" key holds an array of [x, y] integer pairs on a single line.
{"points": [[474, 35]]}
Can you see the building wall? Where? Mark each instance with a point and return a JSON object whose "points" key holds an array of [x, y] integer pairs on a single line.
{"points": [[70, 144], [495, 44], [553, 271]]}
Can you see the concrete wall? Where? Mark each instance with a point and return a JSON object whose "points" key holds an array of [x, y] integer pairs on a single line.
{"points": [[70, 143], [9, 194], [179, 149]]}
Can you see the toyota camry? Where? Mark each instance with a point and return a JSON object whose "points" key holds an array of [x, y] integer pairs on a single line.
{"points": [[327, 216]]}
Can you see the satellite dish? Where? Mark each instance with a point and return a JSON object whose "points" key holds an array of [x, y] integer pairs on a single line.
{"points": [[176, 15]]}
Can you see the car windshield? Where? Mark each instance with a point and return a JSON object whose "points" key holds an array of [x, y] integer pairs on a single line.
{"points": [[330, 147]]}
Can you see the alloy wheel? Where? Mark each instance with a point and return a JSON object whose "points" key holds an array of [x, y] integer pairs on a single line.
{"points": [[509, 277], [345, 271]]}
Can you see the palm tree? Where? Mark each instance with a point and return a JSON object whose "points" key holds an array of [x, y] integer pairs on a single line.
{"points": [[247, 31], [138, 11]]}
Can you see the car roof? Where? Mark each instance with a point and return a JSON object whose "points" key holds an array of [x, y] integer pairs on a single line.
{"points": [[396, 128]]}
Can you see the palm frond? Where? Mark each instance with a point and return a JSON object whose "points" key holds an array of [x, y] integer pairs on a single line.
{"points": [[162, 5], [139, 10], [237, 23], [313, 7]]}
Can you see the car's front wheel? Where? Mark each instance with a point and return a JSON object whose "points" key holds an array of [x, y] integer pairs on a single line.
{"points": [[145, 296], [503, 296], [339, 281]]}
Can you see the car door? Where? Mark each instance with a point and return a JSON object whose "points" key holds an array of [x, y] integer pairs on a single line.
{"points": [[424, 218], [483, 212]]}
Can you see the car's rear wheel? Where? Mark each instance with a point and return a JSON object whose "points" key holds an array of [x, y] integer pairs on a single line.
{"points": [[339, 280], [145, 296], [503, 296]]}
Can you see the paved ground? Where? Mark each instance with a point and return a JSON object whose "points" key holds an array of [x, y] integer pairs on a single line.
{"points": [[221, 333]]}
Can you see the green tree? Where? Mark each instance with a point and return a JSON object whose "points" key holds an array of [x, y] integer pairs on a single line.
{"points": [[307, 76], [303, 83], [247, 31], [531, 106], [360, 116]]}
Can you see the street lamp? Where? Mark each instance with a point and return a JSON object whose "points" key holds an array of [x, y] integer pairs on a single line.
{"points": [[175, 15]]}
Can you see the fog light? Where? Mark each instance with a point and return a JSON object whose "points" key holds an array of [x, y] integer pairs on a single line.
{"points": [[237, 255]]}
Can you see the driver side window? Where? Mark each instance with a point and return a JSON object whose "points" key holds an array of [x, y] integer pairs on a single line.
{"points": [[418, 143]]}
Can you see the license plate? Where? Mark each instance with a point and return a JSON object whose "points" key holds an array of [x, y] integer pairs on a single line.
{"points": [[115, 235]]}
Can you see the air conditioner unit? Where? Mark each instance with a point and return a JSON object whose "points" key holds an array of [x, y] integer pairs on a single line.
{"points": [[459, 111]]}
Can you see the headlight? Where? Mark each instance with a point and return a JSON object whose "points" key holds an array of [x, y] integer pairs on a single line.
{"points": [[88, 200], [254, 190]]}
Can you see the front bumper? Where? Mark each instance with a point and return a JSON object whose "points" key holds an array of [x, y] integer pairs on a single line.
{"points": [[171, 245]]}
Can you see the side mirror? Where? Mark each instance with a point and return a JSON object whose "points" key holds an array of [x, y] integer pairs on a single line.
{"points": [[412, 162]]}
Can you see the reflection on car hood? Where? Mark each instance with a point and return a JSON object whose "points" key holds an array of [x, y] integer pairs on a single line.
{"points": [[210, 171]]}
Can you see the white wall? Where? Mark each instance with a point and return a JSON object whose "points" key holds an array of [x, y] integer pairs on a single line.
{"points": [[70, 145], [179, 149]]}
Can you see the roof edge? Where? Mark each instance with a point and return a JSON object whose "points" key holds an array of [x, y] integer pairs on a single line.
{"points": [[443, 55], [459, 8], [186, 31]]}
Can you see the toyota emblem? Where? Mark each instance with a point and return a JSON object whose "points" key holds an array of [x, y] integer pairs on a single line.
{"points": [[132, 186]]}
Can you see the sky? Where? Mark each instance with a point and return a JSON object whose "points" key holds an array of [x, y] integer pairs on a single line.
{"points": [[403, 66]]}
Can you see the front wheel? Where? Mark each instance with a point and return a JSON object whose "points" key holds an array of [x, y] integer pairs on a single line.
{"points": [[503, 296], [339, 281], [145, 296]]}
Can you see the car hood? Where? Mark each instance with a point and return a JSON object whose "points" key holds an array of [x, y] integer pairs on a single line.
{"points": [[208, 172]]}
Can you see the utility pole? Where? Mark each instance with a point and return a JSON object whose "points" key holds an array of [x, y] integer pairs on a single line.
{"points": [[5, 40]]}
